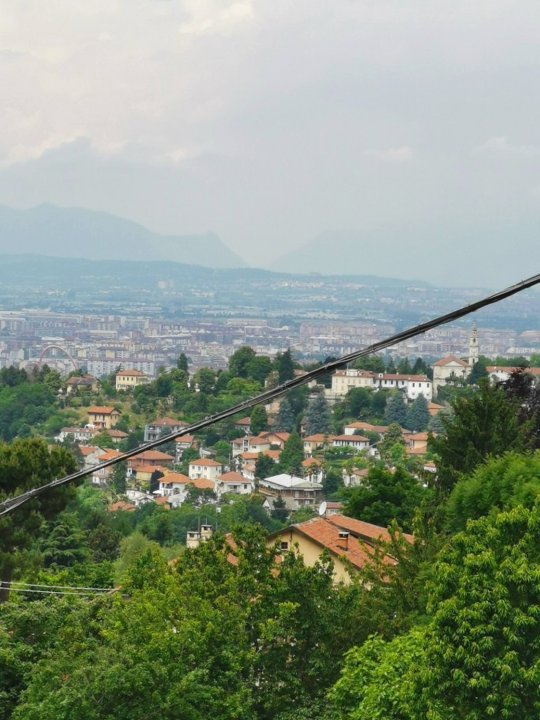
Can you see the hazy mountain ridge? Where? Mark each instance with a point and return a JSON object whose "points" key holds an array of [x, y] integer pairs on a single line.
{"points": [[89, 234]]}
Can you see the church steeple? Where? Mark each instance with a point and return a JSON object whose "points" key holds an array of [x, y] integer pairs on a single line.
{"points": [[473, 346]]}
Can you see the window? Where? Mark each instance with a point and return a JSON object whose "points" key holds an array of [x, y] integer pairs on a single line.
{"points": [[284, 545]]}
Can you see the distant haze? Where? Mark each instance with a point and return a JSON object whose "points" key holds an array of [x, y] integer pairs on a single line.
{"points": [[395, 138]]}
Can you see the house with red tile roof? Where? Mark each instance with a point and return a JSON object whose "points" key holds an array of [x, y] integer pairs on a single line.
{"points": [[130, 379], [151, 458], [103, 416], [350, 543], [234, 482]]}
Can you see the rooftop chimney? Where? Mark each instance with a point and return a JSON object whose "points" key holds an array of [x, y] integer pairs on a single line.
{"points": [[343, 541]]}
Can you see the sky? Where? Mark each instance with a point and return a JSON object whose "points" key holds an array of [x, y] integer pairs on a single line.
{"points": [[270, 122]]}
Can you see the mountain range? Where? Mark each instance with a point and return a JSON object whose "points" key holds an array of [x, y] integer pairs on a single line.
{"points": [[80, 233]]}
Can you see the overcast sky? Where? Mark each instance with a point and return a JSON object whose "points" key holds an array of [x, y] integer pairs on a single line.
{"points": [[272, 121]]}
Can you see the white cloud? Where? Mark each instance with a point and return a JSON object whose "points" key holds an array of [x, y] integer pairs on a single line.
{"points": [[501, 145], [209, 17], [394, 155]]}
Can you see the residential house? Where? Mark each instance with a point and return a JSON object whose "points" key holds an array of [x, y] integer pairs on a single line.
{"points": [[82, 383], [103, 417], [117, 435], [130, 379], [162, 427], [345, 380], [247, 462], [354, 477], [183, 443], [358, 428], [150, 458], [312, 470], [205, 468], [76, 434], [357, 442], [295, 492], [501, 373], [350, 543], [234, 482], [277, 440], [101, 476], [90, 454], [243, 424], [412, 385], [312, 443]]}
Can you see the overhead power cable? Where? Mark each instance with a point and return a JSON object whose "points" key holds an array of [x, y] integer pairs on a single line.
{"points": [[11, 504]]}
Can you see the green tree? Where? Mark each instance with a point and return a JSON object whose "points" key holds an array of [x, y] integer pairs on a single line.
{"points": [[264, 467], [396, 410], [292, 455], [64, 543], [479, 371], [484, 424], [259, 419], [205, 379], [392, 437], [483, 651], [25, 464], [385, 496], [317, 417], [373, 363], [500, 483], [359, 402], [418, 415], [285, 418], [182, 363], [240, 360], [284, 366], [404, 367], [332, 481], [377, 680], [119, 478]]}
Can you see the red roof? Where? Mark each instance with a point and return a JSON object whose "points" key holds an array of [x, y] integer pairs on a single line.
{"points": [[366, 531], [171, 478], [233, 477], [351, 438], [152, 455], [450, 359], [121, 505], [130, 373], [169, 422], [206, 463], [326, 534], [101, 410]]}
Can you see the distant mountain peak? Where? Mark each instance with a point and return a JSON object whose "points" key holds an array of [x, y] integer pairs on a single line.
{"points": [[47, 229]]}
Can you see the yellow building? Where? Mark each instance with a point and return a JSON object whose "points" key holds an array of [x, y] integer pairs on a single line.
{"points": [[350, 542], [129, 379], [103, 417]]}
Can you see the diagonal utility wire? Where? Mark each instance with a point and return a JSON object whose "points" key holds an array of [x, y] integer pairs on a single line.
{"points": [[11, 504]]}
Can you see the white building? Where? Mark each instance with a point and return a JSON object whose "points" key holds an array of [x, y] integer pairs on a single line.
{"points": [[205, 468]]}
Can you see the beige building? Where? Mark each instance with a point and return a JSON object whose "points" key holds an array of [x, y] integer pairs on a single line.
{"points": [[103, 417], [449, 369], [345, 380], [350, 542], [129, 379]]}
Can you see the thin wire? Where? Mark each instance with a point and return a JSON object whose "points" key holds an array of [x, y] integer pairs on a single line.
{"points": [[50, 587], [11, 504], [49, 592]]}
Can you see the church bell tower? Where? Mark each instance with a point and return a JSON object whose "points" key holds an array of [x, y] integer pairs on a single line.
{"points": [[473, 346]]}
